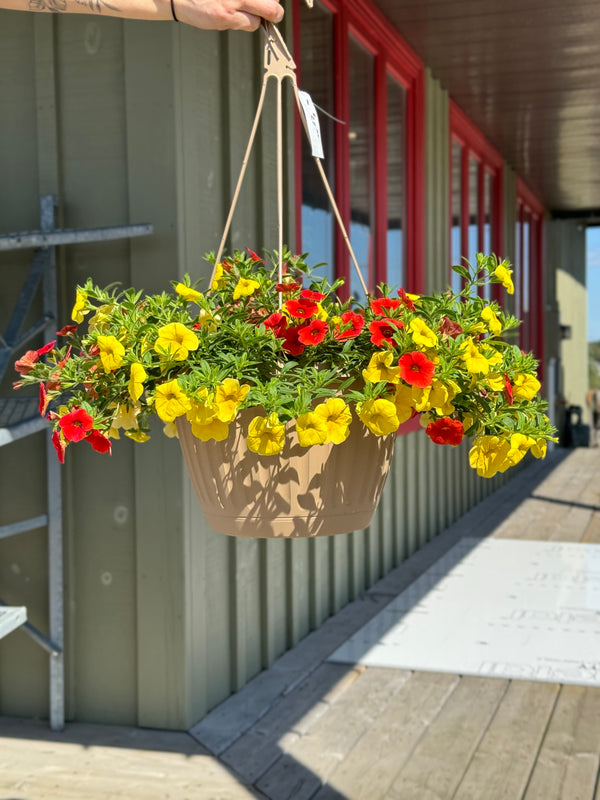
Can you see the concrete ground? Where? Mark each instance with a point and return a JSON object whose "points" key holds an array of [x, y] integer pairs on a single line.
{"points": [[308, 729]]}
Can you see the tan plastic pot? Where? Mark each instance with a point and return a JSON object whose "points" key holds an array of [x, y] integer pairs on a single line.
{"points": [[303, 492]]}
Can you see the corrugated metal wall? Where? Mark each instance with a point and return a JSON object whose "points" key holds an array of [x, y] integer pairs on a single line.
{"points": [[131, 122]]}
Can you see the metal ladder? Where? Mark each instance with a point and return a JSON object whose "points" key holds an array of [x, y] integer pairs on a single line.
{"points": [[19, 417]]}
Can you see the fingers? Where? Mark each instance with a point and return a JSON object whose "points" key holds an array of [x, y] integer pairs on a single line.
{"points": [[270, 10], [242, 15]]}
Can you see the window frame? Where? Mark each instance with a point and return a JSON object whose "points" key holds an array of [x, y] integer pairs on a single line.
{"points": [[528, 203], [392, 56], [474, 145]]}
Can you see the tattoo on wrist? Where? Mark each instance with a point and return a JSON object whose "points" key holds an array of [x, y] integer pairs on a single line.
{"points": [[96, 6]]}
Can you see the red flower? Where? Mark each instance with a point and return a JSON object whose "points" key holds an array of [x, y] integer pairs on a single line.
{"points": [[288, 288], [382, 306], [416, 369], [99, 442], [302, 308], [450, 328], [46, 348], [308, 294], [314, 333], [44, 399], [276, 322], [67, 330], [291, 341], [382, 330], [76, 425], [446, 431], [255, 257], [405, 299], [25, 364], [508, 392], [356, 323], [59, 445]]}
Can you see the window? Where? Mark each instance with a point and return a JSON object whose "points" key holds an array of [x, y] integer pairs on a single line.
{"points": [[358, 70], [476, 195], [528, 271]]}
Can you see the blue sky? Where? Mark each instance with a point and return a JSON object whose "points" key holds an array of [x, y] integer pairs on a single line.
{"points": [[593, 283]]}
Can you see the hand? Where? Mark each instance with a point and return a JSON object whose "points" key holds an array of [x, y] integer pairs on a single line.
{"points": [[242, 15]]}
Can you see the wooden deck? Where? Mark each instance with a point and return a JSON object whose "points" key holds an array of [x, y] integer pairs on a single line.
{"points": [[311, 730]]}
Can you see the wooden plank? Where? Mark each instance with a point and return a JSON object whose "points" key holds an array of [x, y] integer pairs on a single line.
{"points": [[310, 760], [591, 534], [253, 753], [449, 742], [368, 768], [506, 755], [95, 762], [234, 717], [567, 765]]}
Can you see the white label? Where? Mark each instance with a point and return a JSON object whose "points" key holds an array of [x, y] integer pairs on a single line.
{"points": [[313, 128]]}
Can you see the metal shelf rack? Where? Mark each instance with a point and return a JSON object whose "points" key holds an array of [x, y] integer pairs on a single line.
{"points": [[19, 417]]}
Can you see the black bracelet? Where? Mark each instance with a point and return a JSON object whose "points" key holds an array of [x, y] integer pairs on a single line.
{"points": [[173, 11]]}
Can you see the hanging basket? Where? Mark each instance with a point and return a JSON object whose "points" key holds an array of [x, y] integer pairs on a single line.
{"points": [[302, 492]]}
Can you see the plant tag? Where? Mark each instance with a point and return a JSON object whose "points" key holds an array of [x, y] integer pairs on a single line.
{"points": [[313, 128]]}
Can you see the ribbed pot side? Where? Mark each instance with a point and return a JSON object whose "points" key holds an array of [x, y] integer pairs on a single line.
{"points": [[302, 492]]}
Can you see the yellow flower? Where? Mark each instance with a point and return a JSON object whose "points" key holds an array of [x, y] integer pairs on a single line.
{"points": [[125, 416], [320, 313], [100, 318], [170, 430], [137, 376], [525, 387], [245, 287], [495, 381], [379, 416], [488, 454], [137, 436], [404, 402], [494, 357], [79, 309], [218, 282], [202, 411], [475, 361], [421, 398], [422, 335], [380, 368], [539, 448], [503, 274], [207, 320], [491, 320], [111, 352], [215, 429], [311, 429], [189, 294], [519, 446], [171, 401], [176, 341], [266, 435], [228, 397], [467, 421], [337, 417], [441, 397]]}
